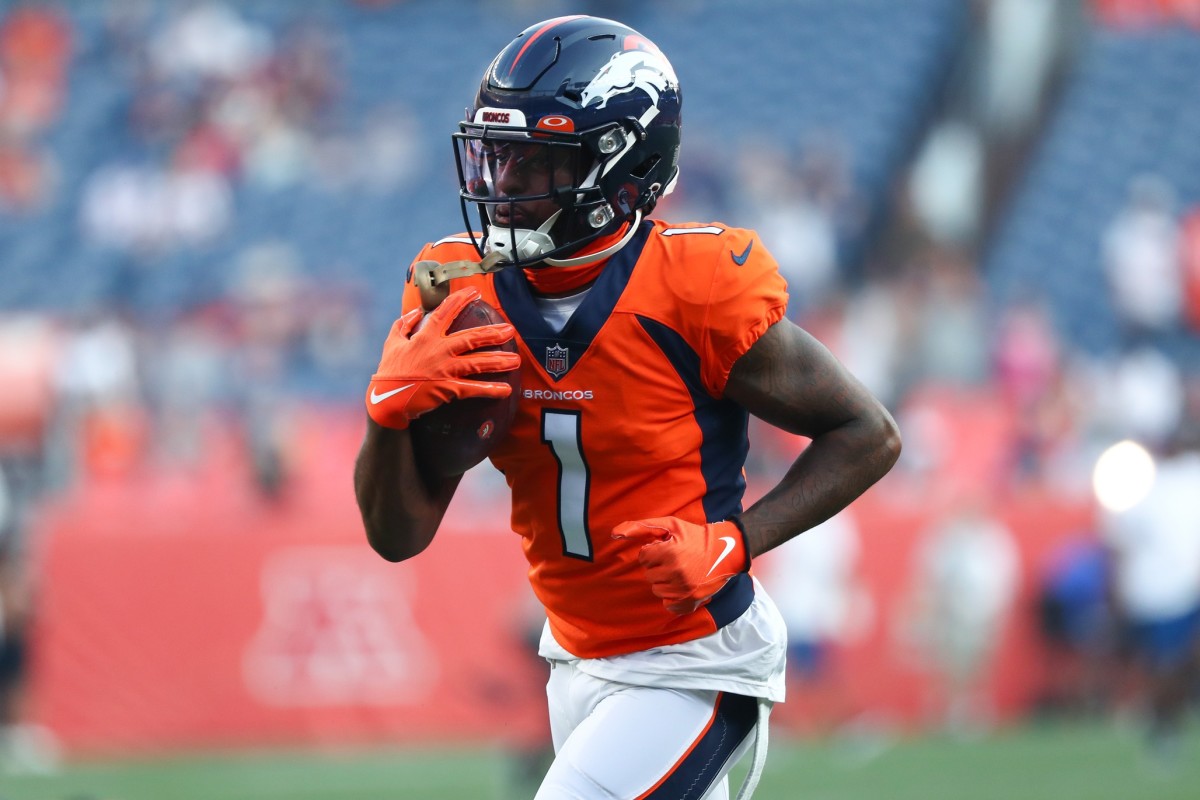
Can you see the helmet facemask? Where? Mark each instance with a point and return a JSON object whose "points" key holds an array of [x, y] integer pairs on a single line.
{"points": [[539, 194]]}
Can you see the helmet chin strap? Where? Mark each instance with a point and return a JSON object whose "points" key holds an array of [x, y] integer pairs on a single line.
{"points": [[528, 244], [600, 255], [433, 277]]}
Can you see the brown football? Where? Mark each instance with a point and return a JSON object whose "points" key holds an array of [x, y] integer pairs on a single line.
{"points": [[458, 435]]}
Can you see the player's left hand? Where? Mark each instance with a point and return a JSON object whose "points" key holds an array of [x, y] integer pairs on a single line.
{"points": [[687, 563]]}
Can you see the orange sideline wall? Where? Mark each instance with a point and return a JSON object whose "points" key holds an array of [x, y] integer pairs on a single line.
{"points": [[181, 608]]}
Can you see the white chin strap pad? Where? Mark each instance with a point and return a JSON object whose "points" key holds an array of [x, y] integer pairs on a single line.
{"points": [[521, 244], [530, 245]]}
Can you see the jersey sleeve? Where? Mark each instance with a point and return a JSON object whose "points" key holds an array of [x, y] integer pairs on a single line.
{"points": [[412, 295], [748, 295], [444, 250]]}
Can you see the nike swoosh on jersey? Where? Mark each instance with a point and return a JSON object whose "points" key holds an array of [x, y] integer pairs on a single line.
{"points": [[739, 260], [376, 399], [729, 545]]}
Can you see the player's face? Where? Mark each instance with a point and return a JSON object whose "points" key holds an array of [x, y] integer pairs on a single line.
{"points": [[527, 170]]}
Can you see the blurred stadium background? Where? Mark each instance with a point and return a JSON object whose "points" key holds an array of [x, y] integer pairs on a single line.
{"points": [[990, 209]]}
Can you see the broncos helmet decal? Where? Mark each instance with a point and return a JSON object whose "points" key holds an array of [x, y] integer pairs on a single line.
{"points": [[591, 98], [628, 71]]}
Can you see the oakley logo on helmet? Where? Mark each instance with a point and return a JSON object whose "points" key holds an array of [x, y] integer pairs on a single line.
{"points": [[629, 70], [557, 123]]}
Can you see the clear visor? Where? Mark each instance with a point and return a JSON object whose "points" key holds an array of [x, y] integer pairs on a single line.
{"points": [[517, 166]]}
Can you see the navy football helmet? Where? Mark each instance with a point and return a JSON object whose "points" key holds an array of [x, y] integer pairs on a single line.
{"points": [[578, 118]]}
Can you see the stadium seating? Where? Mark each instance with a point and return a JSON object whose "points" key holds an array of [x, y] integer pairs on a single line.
{"points": [[1128, 110], [414, 57]]}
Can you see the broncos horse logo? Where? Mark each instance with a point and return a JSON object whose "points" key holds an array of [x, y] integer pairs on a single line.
{"points": [[629, 70]]}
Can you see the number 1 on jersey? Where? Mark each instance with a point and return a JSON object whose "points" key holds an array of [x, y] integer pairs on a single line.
{"points": [[560, 430]]}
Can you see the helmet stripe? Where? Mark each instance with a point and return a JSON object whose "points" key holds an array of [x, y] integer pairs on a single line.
{"points": [[550, 24]]}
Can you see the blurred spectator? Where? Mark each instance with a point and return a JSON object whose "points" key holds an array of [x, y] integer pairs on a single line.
{"points": [[964, 580], [208, 149], [98, 423], [302, 67], [147, 211], [230, 101], [159, 113], [946, 184], [1026, 354], [187, 378], [1156, 552], [951, 340], [120, 208], [279, 156], [871, 338], [1051, 437], [1141, 259], [386, 157], [1076, 620], [814, 582], [267, 292], [1144, 13], [24, 747], [799, 232], [1190, 257], [805, 208], [336, 339], [209, 40], [28, 175], [531, 750], [14, 755], [1031, 379], [1144, 398], [8, 519], [826, 173], [1019, 54], [1050, 394], [929, 446], [35, 54], [29, 355], [198, 203]]}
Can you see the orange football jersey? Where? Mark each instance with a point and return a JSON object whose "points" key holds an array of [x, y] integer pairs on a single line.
{"points": [[622, 417]]}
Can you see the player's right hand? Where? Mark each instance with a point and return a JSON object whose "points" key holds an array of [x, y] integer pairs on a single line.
{"points": [[422, 369], [687, 563]]}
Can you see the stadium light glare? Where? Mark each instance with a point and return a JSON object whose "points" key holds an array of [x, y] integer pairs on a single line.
{"points": [[1123, 476]]}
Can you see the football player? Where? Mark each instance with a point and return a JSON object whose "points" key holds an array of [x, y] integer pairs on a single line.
{"points": [[643, 346]]}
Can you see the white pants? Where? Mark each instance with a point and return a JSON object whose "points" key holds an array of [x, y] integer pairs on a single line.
{"points": [[613, 741]]}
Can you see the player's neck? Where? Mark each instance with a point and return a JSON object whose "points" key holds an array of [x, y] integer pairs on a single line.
{"points": [[565, 281]]}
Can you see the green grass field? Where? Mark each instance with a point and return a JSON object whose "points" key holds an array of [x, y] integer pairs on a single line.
{"points": [[1047, 763]]}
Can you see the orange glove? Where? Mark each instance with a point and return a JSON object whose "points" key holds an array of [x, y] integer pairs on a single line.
{"points": [[420, 371], [687, 563]]}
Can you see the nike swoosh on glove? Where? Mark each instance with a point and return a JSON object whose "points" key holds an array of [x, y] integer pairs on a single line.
{"points": [[422, 369], [687, 563]]}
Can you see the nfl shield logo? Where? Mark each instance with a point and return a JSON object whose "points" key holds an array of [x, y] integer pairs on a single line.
{"points": [[556, 361]]}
